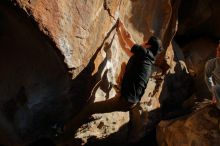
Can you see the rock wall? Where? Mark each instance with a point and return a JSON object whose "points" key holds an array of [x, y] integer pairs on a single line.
{"points": [[197, 36], [33, 79], [197, 52], [73, 25], [81, 33], [58, 55], [198, 129]]}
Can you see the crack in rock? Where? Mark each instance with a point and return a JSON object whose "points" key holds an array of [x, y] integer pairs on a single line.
{"points": [[105, 5]]}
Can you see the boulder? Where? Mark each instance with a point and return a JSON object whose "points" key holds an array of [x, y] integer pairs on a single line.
{"points": [[196, 53], [201, 128], [56, 56]]}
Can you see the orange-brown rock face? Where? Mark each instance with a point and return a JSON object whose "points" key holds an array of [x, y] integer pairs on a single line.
{"points": [[198, 129], [83, 31], [73, 25]]}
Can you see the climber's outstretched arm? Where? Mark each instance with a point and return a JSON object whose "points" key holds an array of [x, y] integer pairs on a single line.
{"points": [[125, 38]]}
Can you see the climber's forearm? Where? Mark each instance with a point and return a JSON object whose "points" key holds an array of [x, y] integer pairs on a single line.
{"points": [[125, 39], [125, 46], [125, 35]]}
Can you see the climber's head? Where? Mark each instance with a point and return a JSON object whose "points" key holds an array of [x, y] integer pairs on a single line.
{"points": [[155, 45]]}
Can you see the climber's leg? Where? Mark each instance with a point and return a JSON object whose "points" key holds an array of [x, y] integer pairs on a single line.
{"points": [[136, 125], [114, 104]]}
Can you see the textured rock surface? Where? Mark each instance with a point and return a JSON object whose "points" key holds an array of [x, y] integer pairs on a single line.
{"points": [[178, 84], [197, 129], [56, 55], [83, 31], [197, 36], [73, 25], [197, 52], [33, 80]]}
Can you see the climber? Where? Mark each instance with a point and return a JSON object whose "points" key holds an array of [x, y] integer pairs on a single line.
{"points": [[212, 77], [134, 82]]}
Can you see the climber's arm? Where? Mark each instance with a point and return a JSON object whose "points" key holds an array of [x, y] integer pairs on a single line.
{"points": [[125, 38]]}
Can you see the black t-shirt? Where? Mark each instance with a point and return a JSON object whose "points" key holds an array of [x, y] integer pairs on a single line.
{"points": [[137, 73]]}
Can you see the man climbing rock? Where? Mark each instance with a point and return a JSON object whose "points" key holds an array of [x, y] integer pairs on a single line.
{"points": [[134, 82]]}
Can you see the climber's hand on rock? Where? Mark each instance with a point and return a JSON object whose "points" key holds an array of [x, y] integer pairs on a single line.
{"points": [[119, 24]]}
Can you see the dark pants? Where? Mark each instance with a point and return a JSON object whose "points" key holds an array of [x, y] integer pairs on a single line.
{"points": [[116, 103]]}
